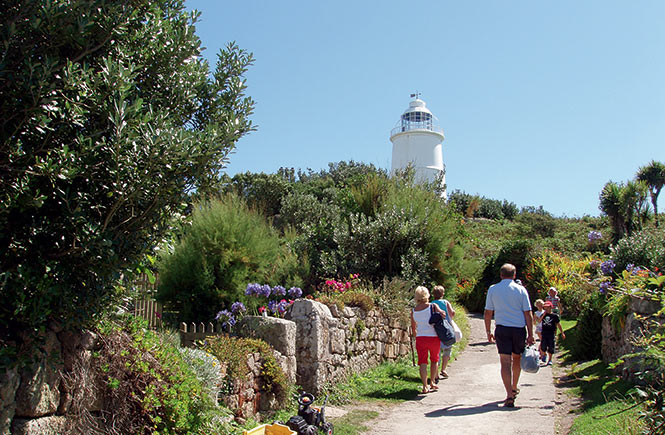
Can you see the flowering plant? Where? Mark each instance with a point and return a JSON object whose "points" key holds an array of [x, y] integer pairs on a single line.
{"points": [[277, 304], [332, 285], [594, 236]]}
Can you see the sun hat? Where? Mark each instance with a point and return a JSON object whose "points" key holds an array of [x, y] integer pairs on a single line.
{"points": [[548, 304]]}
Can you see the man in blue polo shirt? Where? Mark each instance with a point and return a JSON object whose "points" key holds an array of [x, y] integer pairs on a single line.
{"points": [[509, 303]]}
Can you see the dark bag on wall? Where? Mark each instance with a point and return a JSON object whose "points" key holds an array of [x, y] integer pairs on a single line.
{"points": [[444, 330]]}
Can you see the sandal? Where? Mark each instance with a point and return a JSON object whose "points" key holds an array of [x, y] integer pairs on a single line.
{"points": [[444, 375], [433, 388], [425, 391], [516, 392], [509, 402]]}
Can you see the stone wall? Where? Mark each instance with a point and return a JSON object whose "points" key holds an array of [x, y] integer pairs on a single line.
{"points": [[617, 343], [316, 346], [332, 343], [39, 398]]}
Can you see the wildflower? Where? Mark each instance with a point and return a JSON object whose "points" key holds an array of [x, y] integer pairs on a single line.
{"points": [[604, 286]]}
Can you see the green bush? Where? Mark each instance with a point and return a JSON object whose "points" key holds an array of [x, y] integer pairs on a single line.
{"points": [[587, 335], [568, 275], [226, 247], [149, 386], [645, 248], [109, 117], [518, 253]]}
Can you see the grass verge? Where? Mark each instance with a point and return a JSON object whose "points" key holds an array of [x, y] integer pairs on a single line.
{"points": [[608, 403]]}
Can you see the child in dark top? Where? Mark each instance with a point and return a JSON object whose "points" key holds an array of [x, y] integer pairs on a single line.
{"points": [[550, 324]]}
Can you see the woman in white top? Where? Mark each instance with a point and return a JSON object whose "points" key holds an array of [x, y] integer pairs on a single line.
{"points": [[427, 342]]}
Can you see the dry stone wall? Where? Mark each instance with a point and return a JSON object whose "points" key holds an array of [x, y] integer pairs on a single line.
{"points": [[332, 343], [617, 343]]}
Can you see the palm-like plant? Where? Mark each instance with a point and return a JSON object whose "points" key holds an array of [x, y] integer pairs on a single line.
{"points": [[611, 205], [653, 175], [625, 205]]}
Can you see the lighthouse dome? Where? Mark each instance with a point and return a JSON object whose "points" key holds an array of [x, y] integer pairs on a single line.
{"points": [[417, 117]]}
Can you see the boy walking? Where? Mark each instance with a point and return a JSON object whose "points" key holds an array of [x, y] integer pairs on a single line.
{"points": [[550, 323]]}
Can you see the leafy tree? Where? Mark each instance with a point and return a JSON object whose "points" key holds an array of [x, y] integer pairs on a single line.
{"points": [[109, 119], [653, 175], [262, 191]]}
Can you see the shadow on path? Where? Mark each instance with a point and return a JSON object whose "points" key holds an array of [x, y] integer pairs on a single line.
{"points": [[457, 410]]}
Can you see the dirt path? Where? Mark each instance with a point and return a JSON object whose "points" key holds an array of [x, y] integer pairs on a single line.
{"points": [[471, 400]]}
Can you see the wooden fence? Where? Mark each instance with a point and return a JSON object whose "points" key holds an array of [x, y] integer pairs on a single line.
{"points": [[149, 309], [193, 332]]}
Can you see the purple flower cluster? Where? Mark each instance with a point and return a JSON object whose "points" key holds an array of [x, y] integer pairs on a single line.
{"points": [[278, 290], [295, 292], [604, 286], [255, 289], [226, 318], [278, 307], [238, 307], [594, 235], [607, 267]]}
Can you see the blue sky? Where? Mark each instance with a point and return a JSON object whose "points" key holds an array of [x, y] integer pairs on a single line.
{"points": [[541, 103]]}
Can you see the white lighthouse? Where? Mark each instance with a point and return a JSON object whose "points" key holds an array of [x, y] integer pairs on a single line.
{"points": [[418, 142]]}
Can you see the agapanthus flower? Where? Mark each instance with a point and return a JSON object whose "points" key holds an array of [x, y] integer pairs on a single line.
{"points": [[238, 307], [282, 306], [604, 286], [295, 292], [223, 315], [594, 235], [272, 306], [265, 291], [278, 290], [607, 267], [252, 289]]}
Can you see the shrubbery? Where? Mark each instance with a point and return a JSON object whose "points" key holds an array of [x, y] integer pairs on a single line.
{"points": [[226, 247], [569, 276], [519, 253], [149, 385], [109, 118], [645, 248]]}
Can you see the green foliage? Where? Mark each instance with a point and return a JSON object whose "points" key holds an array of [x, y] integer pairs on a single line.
{"points": [[569, 276], [261, 191], [149, 384], [232, 353], [653, 175], [625, 205], [473, 206], [518, 253], [227, 246], [109, 118], [584, 341], [645, 248]]}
